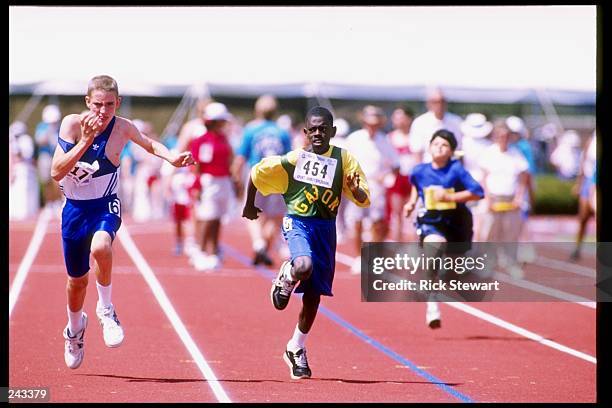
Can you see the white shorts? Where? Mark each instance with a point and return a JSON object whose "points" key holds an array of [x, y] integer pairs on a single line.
{"points": [[272, 205], [217, 195], [374, 213]]}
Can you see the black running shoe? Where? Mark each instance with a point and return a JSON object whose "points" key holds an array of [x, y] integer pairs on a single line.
{"points": [[298, 364], [266, 259], [575, 255], [257, 258], [281, 288], [261, 257]]}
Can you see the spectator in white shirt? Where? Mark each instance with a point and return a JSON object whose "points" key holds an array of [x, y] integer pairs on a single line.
{"points": [[476, 131], [380, 163], [436, 118], [505, 182], [566, 156], [23, 178], [585, 189]]}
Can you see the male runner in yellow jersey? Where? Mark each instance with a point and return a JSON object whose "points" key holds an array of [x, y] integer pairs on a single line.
{"points": [[311, 181]]}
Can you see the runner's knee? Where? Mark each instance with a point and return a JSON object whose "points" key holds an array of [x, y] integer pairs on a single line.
{"points": [[101, 248], [77, 283], [302, 267]]}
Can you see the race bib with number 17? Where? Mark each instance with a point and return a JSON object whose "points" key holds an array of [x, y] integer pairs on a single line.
{"points": [[82, 172]]}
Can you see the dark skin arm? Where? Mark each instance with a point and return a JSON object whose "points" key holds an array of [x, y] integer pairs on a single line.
{"points": [[250, 211], [352, 180]]}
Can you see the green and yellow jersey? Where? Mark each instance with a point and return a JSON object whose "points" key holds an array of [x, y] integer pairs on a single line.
{"points": [[311, 184]]}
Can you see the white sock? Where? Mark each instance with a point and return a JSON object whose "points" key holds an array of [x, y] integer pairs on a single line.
{"points": [[104, 294], [288, 274], [297, 341], [259, 245], [75, 320], [432, 305]]}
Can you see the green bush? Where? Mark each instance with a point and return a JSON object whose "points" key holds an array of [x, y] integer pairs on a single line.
{"points": [[554, 195]]}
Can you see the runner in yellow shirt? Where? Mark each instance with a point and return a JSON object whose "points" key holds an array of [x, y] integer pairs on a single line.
{"points": [[311, 182]]}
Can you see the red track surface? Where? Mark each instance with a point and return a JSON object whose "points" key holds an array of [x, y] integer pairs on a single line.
{"points": [[229, 316]]}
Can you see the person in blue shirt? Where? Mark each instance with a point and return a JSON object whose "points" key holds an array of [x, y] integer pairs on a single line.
{"points": [[443, 186], [263, 138]]}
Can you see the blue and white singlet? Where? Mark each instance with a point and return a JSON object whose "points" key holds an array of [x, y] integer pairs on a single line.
{"points": [[94, 175]]}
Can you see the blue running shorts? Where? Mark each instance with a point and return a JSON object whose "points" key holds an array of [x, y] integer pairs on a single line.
{"points": [[316, 238], [81, 219], [454, 225]]}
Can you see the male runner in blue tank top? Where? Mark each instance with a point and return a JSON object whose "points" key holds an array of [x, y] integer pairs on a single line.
{"points": [[86, 166], [311, 181], [443, 186]]}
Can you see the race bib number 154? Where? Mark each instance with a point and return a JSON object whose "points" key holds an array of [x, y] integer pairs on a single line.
{"points": [[314, 169]]}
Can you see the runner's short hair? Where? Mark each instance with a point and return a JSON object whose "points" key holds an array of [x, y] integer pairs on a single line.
{"points": [[103, 82], [446, 135], [321, 112]]}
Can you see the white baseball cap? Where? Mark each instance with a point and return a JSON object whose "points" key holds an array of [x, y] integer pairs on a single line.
{"points": [[516, 125], [18, 128], [216, 111], [51, 114], [342, 127], [570, 138], [476, 126]]}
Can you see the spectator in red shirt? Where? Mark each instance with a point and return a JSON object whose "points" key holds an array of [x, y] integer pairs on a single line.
{"points": [[213, 155]]}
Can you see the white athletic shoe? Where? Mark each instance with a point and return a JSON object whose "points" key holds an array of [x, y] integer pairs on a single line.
{"points": [[432, 316], [213, 262], [74, 346], [111, 328], [526, 253], [516, 271], [206, 262]]}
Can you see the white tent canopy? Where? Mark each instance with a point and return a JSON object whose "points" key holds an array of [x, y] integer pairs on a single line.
{"points": [[324, 90], [475, 54]]}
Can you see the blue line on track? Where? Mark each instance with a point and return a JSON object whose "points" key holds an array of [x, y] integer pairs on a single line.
{"points": [[267, 273]]}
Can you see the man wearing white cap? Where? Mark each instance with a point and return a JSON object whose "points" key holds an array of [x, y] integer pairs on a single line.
{"points": [[476, 129], [519, 140], [436, 118], [213, 155], [566, 155]]}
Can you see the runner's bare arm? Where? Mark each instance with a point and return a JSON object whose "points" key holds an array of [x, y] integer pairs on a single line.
{"points": [[352, 180], [78, 129], [411, 203], [158, 149], [250, 211]]}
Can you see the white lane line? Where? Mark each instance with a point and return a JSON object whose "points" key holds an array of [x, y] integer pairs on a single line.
{"points": [[28, 258], [175, 320], [565, 266], [507, 325], [522, 283], [548, 291], [345, 259], [519, 330]]}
